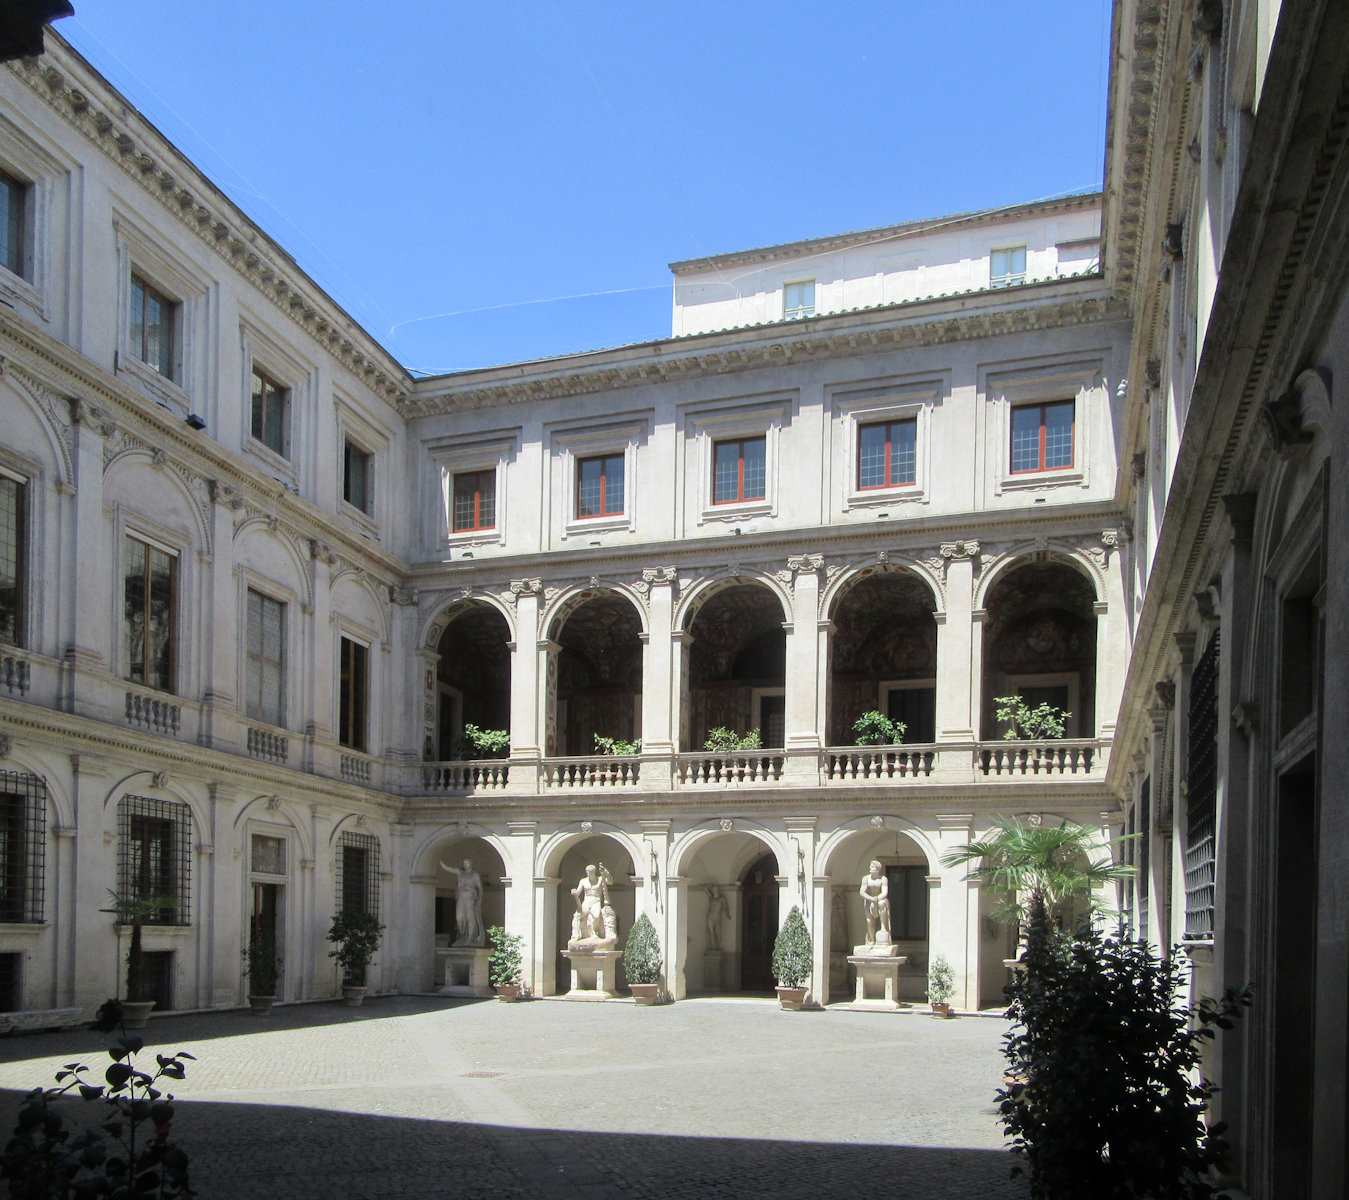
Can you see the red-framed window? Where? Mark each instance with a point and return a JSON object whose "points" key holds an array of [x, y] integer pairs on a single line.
{"points": [[600, 490], [475, 500], [739, 470], [887, 454], [1042, 436]]}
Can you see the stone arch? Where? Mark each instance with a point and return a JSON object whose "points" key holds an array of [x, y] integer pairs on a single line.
{"points": [[1023, 553], [687, 842], [554, 847], [351, 577], [162, 790], [563, 605], [425, 854], [42, 406], [836, 587], [471, 681], [298, 569], [437, 618], [830, 843], [21, 760], [704, 589], [198, 528], [280, 812]]}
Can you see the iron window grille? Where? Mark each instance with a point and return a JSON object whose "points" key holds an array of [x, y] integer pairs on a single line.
{"points": [[23, 841], [13, 558], [153, 838], [357, 870], [1202, 792]]}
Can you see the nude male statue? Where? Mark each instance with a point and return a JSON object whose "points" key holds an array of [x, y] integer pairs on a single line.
{"points": [[875, 893], [593, 910]]}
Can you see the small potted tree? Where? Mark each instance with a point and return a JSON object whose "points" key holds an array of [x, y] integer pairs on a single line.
{"points": [[485, 743], [264, 968], [128, 909], [356, 934], [791, 961], [874, 728], [941, 986], [505, 968], [642, 961]]}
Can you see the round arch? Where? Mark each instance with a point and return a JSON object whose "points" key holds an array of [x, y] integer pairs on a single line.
{"points": [[573, 598], [1028, 553], [687, 843], [701, 592], [279, 812], [140, 457], [834, 840], [840, 584], [260, 527], [426, 852], [444, 612], [553, 849], [350, 577]]}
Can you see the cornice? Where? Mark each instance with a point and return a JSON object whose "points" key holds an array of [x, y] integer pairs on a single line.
{"points": [[1059, 305], [197, 205]]}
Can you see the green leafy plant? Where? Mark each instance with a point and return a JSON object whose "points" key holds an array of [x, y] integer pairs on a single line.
{"points": [[941, 981], [1107, 1101], [876, 729], [128, 1153], [263, 965], [356, 934], [136, 911], [1044, 722], [641, 956], [792, 952], [604, 745], [485, 743], [505, 967], [721, 740], [1022, 863]]}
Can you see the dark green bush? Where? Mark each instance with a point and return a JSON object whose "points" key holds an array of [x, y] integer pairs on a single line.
{"points": [[792, 952], [641, 956]]}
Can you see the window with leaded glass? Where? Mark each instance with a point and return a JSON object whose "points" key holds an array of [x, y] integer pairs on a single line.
{"points": [[887, 454], [474, 503], [153, 317], [1042, 436], [13, 224], [265, 659], [148, 615], [271, 413], [153, 863], [352, 692], [739, 470], [599, 486], [13, 557]]}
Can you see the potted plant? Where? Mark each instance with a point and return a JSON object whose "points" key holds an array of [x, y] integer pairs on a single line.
{"points": [[941, 986], [135, 911], [356, 934], [642, 961], [874, 728], [612, 748], [485, 743], [263, 969], [504, 968], [791, 961]]}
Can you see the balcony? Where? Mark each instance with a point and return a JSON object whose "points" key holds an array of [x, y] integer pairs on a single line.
{"points": [[907, 768]]}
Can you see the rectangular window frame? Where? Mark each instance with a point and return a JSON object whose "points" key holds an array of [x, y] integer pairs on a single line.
{"points": [[1007, 277], [362, 499], [168, 683], [256, 707], [1086, 380], [269, 409], [798, 299], [480, 521], [23, 841], [900, 400], [16, 219], [741, 497], [14, 612], [162, 358], [889, 481], [141, 822], [356, 871], [1042, 407], [353, 693], [607, 463]]}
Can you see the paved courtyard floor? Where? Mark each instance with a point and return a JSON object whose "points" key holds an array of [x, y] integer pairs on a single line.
{"points": [[419, 1098]]}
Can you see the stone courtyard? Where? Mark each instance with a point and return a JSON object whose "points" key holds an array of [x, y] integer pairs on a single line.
{"points": [[414, 1098]]}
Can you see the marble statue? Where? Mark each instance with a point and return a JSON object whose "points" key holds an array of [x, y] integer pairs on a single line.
{"points": [[594, 925], [468, 927], [875, 893], [718, 911]]}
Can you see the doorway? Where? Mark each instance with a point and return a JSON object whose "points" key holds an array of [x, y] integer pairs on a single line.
{"points": [[263, 925], [759, 920]]}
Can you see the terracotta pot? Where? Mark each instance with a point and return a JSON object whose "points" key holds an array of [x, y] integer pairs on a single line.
{"points": [[941, 1011], [792, 998], [352, 996], [644, 993], [261, 1005], [136, 1013], [507, 992]]}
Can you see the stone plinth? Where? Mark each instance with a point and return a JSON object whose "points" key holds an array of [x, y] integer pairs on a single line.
{"points": [[594, 974], [714, 971], [465, 971], [877, 968]]}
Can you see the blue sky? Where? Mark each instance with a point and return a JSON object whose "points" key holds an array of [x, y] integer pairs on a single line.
{"points": [[479, 184]]}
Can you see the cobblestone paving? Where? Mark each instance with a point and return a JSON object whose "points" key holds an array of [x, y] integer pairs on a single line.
{"points": [[410, 1098]]}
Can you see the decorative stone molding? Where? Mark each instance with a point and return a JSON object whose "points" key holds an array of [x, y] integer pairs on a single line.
{"points": [[5, 745], [1138, 464], [1166, 693], [1240, 509], [878, 822], [403, 597], [587, 826], [1246, 718], [1207, 602], [726, 824]]}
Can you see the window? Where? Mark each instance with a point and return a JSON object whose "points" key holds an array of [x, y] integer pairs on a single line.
{"points": [[148, 615], [13, 558], [475, 500], [153, 838], [357, 870], [1007, 266], [1042, 436], [352, 694], [271, 412], [908, 903], [152, 327], [917, 708], [357, 477], [13, 224], [23, 820], [265, 659], [599, 486], [739, 470], [798, 300], [887, 454]]}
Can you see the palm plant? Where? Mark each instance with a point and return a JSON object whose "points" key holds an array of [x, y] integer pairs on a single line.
{"points": [[1040, 867]]}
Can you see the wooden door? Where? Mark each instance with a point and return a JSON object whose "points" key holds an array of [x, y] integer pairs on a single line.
{"points": [[758, 925]]}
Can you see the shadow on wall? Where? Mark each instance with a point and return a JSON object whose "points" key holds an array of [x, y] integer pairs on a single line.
{"points": [[264, 1151]]}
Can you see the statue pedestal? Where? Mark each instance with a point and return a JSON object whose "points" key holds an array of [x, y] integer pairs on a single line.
{"points": [[465, 970], [714, 971], [594, 974], [877, 970]]}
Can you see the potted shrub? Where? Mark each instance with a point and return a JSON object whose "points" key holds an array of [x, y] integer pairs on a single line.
{"points": [[485, 743], [136, 911], [876, 729], [263, 968], [642, 961], [941, 986], [611, 748], [504, 968], [356, 935], [791, 961]]}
